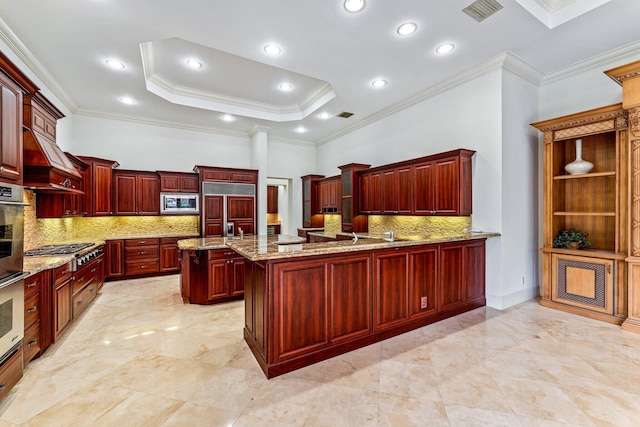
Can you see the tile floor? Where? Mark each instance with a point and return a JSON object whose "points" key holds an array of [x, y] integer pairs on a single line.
{"points": [[139, 357]]}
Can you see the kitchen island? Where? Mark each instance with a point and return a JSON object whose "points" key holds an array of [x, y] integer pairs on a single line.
{"points": [[306, 302]]}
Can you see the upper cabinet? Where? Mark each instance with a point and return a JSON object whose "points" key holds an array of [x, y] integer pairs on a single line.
{"points": [[178, 182], [98, 183], [217, 174], [310, 201], [352, 219], [58, 204], [329, 192], [432, 185], [136, 193], [13, 85]]}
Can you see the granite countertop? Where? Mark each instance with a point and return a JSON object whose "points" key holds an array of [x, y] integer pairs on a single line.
{"points": [[36, 264], [259, 248]]}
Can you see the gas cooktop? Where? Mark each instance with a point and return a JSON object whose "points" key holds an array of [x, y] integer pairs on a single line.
{"points": [[69, 248]]}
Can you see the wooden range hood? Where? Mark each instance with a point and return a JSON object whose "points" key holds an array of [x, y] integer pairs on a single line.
{"points": [[46, 167]]}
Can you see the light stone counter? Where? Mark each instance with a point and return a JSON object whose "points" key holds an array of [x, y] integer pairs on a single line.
{"points": [[260, 248]]}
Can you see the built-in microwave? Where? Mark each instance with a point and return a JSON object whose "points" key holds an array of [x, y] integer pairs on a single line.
{"points": [[179, 203]]}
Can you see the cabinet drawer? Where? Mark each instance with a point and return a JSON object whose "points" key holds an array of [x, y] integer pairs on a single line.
{"points": [[83, 298], [10, 373], [141, 242], [80, 282], [32, 309], [141, 267], [141, 252], [62, 273], [31, 342], [32, 284], [221, 254]]}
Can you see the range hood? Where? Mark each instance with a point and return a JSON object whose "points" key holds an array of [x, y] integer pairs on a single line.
{"points": [[46, 167]]}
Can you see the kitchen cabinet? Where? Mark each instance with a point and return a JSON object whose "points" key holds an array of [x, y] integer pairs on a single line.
{"points": [[214, 276], [354, 300], [272, 199], [62, 308], [352, 220], [178, 182], [84, 284], [217, 174], [11, 372], [241, 211], [213, 216], [443, 186], [32, 314], [141, 256], [62, 204], [371, 192], [136, 193], [311, 205], [98, 186], [329, 189], [397, 190], [170, 254], [114, 259], [10, 130]]}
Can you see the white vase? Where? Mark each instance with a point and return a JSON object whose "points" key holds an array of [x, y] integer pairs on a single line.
{"points": [[578, 166]]}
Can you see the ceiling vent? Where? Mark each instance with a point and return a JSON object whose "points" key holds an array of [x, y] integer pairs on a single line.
{"points": [[344, 115], [482, 9]]}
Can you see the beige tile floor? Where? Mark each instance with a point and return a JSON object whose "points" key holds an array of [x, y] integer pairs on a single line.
{"points": [[139, 357]]}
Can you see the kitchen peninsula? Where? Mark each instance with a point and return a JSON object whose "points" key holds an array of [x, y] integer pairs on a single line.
{"points": [[306, 302]]}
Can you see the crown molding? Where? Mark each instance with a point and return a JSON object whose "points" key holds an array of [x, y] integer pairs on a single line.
{"points": [[148, 121], [622, 55], [24, 54], [258, 128], [506, 61]]}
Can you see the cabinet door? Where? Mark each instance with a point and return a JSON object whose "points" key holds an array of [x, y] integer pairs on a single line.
{"points": [[371, 193], [423, 268], [236, 276], [447, 187], [218, 286], [189, 184], [62, 313], [10, 132], [334, 194], [148, 194], [114, 258], [349, 298], [390, 185], [169, 255], [240, 207], [213, 215], [452, 292], [272, 199], [423, 194], [170, 183], [405, 190], [125, 186], [102, 178], [391, 287]]}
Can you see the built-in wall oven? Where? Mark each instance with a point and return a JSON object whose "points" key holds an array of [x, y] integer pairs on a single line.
{"points": [[11, 274]]}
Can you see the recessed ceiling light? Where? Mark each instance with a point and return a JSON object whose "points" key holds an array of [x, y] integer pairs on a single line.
{"points": [[445, 48], [301, 129], [407, 28], [127, 100], [354, 5], [272, 49], [194, 63], [325, 116], [114, 63], [285, 87], [379, 83], [227, 117]]}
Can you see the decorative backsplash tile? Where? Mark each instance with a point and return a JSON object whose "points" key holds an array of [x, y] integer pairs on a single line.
{"points": [[332, 224], [418, 225], [38, 232]]}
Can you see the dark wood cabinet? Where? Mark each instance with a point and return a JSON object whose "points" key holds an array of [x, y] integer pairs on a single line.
{"points": [[179, 182], [272, 199], [141, 256], [114, 259], [352, 220], [241, 211], [32, 315], [218, 174], [371, 193], [353, 300], [84, 284], [213, 214], [213, 276], [311, 201], [98, 186], [11, 372], [136, 193], [10, 130], [62, 204], [397, 190], [329, 191], [170, 254], [62, 308]]}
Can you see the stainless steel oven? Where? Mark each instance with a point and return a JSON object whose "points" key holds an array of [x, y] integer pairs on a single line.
{"points": [[11, 274]]}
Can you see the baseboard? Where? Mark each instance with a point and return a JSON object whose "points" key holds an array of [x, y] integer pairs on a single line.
{"points": [[502, 302]]}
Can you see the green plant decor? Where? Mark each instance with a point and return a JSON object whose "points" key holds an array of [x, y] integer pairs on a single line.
{"points": [[563, 238]]}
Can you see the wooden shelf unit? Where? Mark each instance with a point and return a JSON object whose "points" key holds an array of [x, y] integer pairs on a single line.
{"points": [[590, 282]]}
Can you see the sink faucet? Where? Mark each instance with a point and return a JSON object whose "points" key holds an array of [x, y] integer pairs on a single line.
{"points": [[390, 234], [355, 237]]}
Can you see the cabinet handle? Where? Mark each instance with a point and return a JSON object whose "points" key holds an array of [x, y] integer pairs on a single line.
{"points": [[81, 279], [32, 343], [33, 309], [142, 242], [79, 302], [2, 170], [142, 266], [93, 270], [141, 252], [32, 285], [2, 385]]}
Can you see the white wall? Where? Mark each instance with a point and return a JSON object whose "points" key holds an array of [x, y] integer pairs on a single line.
{"points": [[467, 116], [520, 224]]}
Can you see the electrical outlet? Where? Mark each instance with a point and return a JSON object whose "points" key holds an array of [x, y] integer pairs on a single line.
{"points": [[423, 302]]}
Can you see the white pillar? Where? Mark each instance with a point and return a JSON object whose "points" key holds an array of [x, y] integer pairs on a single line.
{"points": [[259, 161]]}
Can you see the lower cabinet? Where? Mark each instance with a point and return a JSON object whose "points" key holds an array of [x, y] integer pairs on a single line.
{"points": [[301, 311], [141, 256], [114, 259], [32, 310], [11, 372], [62, 309], [212, 276]]}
